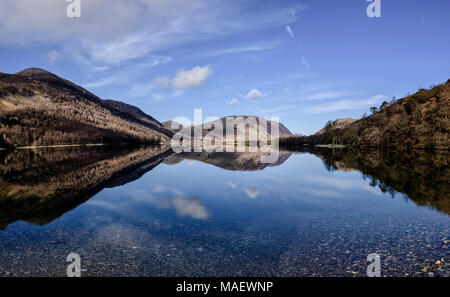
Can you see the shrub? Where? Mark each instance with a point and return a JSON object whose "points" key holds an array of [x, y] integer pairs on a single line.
{"points": [[410, 104]]}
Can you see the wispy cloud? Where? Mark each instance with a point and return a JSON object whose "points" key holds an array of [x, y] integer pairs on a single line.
{"points": [[232, 185], [243, 49], [113, 33], [163, 82], [345, 105], [325, 94], [340, 183], [233, 101], [289, 31], [126, 74], [277, 109], [52, 57], [104, 81], [304, 62], [322, 193], [142, 90]]}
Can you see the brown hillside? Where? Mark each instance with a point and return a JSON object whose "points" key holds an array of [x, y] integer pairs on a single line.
{"points": [[338, 124], [421, 120], [40, 108]]}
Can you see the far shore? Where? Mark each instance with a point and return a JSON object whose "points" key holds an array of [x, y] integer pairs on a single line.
{"points": [[54, 146], [59, 145], [331, 145]]}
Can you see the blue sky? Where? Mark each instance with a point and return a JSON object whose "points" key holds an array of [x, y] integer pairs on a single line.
{"points": [[304, 61]]}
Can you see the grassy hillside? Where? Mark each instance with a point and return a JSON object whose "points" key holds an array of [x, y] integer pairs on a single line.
{"points": [[40, 108], [421, 120]]}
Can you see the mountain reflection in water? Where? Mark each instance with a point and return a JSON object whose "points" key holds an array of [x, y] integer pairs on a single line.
{"points": [[39, 186]]}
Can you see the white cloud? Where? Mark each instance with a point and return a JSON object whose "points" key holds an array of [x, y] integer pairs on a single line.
{"points": [[289, 31], [190, 207], [112, 32], [186, 79], [233, 101], [251, 192], [304, 62], [193, 78], [253, 94]]}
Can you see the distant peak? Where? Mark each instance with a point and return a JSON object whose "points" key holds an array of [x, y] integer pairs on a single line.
{"points": [[33, 70], [37, 73]]}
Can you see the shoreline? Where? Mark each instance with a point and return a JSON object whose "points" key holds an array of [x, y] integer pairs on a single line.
{"points": [[58, 146], [331, 145], [63, 146]]}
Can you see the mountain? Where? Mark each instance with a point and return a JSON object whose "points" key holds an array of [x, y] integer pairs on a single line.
{"points": [[168, 125], [229, 160], [39, 108], [253, 125], [420, 120], [137, 115], [337, 124], [251, 128]]}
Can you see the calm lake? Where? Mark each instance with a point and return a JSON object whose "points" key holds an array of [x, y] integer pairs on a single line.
{"points": [[148, 212]]}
